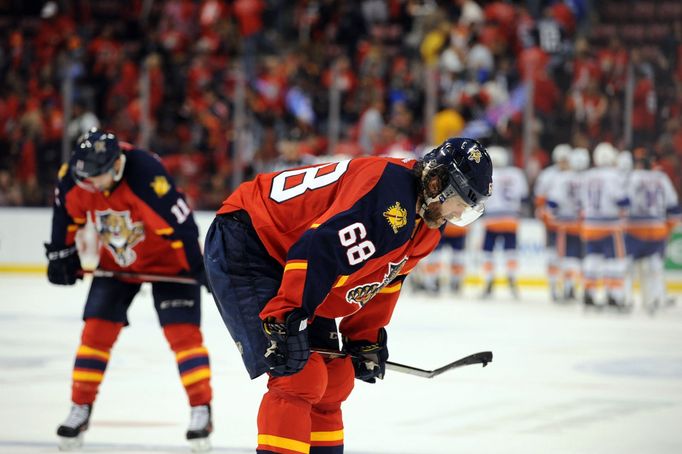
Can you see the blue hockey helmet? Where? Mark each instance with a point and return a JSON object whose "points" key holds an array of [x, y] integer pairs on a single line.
{"points": [[95, 154], [463, 168]]}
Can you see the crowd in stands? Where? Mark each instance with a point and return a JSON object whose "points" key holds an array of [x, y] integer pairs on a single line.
{"points": [[382, 54]]}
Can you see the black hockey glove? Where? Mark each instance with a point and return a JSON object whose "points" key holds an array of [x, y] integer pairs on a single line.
{"points": [[288, 350], [64, 265], [369, 359]]}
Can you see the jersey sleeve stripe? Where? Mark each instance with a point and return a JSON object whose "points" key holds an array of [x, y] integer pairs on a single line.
{"points": [[341, 281], [392, 288], [296, 265], [165, 231], [177, 244]]}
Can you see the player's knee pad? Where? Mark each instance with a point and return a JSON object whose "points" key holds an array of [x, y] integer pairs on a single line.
{"points": [[181, 336], [100, 334], [308, 385]]}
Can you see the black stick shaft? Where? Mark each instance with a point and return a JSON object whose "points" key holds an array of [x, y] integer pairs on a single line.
{"points": [[476, 358]]}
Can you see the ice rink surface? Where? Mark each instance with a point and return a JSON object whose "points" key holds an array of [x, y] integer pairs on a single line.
{"points": [[562, 381]]}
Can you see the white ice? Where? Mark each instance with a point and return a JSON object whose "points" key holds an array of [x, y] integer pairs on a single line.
{"points": [[562, 381]]}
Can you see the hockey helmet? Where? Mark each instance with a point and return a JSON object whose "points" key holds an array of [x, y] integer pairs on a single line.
{"points": [[561, 152], [579, 159], [464, 169], [605, 155], [499, 156], [95, 154]]}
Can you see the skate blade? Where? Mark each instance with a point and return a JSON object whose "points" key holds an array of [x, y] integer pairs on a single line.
{"points": [[200, 445], [71, 444]]}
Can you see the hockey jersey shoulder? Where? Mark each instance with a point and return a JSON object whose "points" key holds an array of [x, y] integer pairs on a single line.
{"points": [[146, 176]]}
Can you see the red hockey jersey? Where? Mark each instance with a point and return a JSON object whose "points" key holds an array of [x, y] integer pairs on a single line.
{"points": [[144, 223], [346, 233]]}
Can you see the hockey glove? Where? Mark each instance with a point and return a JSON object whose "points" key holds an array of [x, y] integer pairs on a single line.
{"points": [[64, 265], [369, 359], [288, 350]]}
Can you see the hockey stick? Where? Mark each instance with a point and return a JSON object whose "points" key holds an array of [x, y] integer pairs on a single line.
{"points": [[141, 276], [477, 358]]}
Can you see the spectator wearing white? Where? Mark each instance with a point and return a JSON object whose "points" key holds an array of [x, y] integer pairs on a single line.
{"points": [[83, 120]]}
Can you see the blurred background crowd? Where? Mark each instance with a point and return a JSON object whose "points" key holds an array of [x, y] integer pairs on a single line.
{"points": [[223, 89]]}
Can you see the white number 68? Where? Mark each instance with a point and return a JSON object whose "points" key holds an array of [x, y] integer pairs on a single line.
{"points": [[357, 252]]}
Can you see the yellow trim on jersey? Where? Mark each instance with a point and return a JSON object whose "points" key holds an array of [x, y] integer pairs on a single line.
{"points": [[177, 244], [179, 356], [314, 226], [342, 280], [196, 376], [87, 376], [80, 220], [296, 266], [165, 231], [286, 443], [392, 289], [73, 227], [84, 350], [335, 435]]}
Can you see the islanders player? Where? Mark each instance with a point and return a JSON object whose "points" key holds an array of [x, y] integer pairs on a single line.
{"points": [[654, 211], [502, 219], [564, 206], [290, 252], [604, 201], [144, 226], [543, 185]]}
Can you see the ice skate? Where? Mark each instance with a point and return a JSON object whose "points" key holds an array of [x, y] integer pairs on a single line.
{"points": [[455, 286], [618, 305], [71, 431], [487, 291], [200, 427], [589, 303], [513, 288]]}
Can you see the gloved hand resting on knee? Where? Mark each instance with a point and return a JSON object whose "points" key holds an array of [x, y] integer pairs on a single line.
{"points": [[289, 349], [369, 358]]}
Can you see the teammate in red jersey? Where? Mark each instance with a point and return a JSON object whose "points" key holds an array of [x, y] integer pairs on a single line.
{"points": [[144, 226], [290, 252]]}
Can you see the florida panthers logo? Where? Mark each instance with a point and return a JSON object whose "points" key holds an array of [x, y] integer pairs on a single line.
{"points": [[119, 234], [362, 294]]}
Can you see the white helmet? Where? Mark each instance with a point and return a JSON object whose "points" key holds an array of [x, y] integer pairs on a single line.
{"points": [[498, 155], [605, 155], [579, 159], [561, 152], [625, 161]]}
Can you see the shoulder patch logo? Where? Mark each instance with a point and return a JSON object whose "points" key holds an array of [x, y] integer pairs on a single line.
{"points": [[474, 154], [119, 234], [396, 217], [160, 185]]}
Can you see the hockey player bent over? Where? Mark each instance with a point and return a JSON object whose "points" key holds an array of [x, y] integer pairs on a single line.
{"points": [[291, 251], [144, 226]]}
